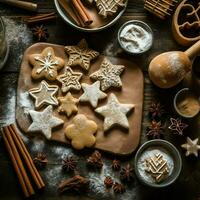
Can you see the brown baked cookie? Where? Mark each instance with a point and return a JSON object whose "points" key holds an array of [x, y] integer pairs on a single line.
{"points": [[81, 132], [68, 104], [109, 7], [46, 64], [81, 55]]}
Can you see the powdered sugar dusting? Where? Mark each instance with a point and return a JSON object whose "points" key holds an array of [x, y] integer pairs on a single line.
{"points": [[175, 64], [19, 36]]}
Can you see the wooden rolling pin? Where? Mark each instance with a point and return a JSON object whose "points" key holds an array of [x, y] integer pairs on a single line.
{"points": [[21, 4], [168, 69]]}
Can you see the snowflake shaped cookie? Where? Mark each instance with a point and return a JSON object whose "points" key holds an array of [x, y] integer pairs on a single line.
{"points": [[92, 93], [46, 64], [114, 113], [68, 104], [109, 7], [44, 95], [81, 132], [108, 75], [44, 122], [191, 147], [70, 80], [80, 55]]}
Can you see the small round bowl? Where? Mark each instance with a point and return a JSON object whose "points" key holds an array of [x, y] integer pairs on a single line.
{"points": [[182, 93], [141, 24], [68, 20], [174, 154]]}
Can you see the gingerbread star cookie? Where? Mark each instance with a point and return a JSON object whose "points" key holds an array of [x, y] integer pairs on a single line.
{"points": [[81, 132], [92, 93], [70, 80], [44, 122], [44, 95], [114, 113], [191, 147], [68, 104], [46, 64], [81, 55], [108, 75]]}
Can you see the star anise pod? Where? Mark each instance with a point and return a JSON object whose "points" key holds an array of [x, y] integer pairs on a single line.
{"points": [[40, 160], [177, 126], [118, 188], [156, 110], [116, 165], [95, 160], [40, 33], [69, 163], [155, 129], [108, 182], [127, 173]]}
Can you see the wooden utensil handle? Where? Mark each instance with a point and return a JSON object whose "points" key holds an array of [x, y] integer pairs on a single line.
{"points": [[21, 4], [193, 51]]}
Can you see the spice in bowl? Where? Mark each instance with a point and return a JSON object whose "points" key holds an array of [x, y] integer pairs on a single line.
{"points": [[186, 103], [157, 163], [135, 37]]}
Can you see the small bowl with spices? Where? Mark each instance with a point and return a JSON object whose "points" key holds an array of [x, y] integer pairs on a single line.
{"points": [[135, 37], [186, 103], [157, 163]]}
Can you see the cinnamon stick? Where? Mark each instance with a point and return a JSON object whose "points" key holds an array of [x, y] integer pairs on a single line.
{"points": [[82, 12], [19, 161], [15, 165], [17, 148], [27, 158], [40, 18], [69, 12]]}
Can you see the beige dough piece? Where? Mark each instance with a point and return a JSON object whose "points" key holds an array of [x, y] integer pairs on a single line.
{"points": [[92, 93], [114, 113], [108, 75], [44, 95], [81, 132], [68, 104], [46, 64], [70, 80], [80, 55]]}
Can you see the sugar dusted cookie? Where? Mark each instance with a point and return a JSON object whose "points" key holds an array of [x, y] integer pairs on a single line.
{"points": [[70, 80], [114, 113], [81, 132], [44, 122], [108, 75], [46, 64], [191, 146], [68, 104], [109, 7], [81, 55], [45, 94], [92, 93]]}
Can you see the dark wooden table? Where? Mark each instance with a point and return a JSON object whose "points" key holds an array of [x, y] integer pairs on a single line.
{"points": [[20, 37]]}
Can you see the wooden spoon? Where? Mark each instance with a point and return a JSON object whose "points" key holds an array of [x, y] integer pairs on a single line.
{"points": [[168, 69]]}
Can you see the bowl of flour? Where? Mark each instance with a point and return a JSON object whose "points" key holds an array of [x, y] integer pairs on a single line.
{"points": [[135, 37]]}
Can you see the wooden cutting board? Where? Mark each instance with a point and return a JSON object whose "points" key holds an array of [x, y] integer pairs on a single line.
{"points": [[117, 141]]}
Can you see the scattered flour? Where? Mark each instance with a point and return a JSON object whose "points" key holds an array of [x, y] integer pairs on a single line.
{"points": [[19, 37]]}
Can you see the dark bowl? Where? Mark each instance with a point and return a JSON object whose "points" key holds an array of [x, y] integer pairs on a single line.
{"points": [[174, 154]]}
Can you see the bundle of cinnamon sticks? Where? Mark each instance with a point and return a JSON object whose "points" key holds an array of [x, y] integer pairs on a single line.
{"points": [[77, 12], [22, 161]]}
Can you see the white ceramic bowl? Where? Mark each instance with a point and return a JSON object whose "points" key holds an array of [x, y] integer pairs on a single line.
{"points": [[68, 20]]}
